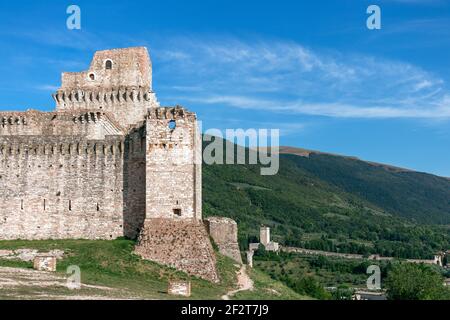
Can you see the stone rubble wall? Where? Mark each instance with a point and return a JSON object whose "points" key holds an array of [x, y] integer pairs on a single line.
{"points": [[224, 232], [29, 254], [181, 244]]}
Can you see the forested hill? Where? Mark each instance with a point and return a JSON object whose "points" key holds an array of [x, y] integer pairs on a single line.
{"points": [[335, 203], [415, 195]]}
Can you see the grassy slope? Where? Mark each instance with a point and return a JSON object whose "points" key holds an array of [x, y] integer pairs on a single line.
{"points": [[113, 264], [331, 204]]}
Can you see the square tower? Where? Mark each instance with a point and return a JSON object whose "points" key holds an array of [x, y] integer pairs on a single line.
{"points": [[173, 165], [264, 235]]}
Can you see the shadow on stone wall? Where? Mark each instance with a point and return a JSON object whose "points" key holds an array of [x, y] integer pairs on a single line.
{"points": [[134, 183]]}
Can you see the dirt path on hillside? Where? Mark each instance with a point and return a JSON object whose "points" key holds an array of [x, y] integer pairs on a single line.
{"points": [[244, 283]]}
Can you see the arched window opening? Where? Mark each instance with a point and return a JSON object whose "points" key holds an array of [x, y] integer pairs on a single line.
{"points": [[108, 65]]}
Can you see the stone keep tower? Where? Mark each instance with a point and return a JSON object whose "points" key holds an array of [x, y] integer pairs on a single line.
{"points": [[173, 165], [173, 232], [118, 81]]}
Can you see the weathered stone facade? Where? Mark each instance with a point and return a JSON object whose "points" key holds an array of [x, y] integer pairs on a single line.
{"points": [[224, 232], [181, 244], [106, 163]]}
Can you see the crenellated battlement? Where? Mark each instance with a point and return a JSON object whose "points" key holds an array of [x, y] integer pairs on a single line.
{"points": [[170, 113], [92, 124], [15, 146], [13, 120], [100, 98]]}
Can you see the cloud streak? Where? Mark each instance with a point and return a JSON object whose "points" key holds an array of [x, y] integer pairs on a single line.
{"points": [[279, 76]]}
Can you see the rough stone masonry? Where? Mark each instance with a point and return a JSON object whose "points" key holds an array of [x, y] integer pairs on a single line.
{"points": [[108, 162]]}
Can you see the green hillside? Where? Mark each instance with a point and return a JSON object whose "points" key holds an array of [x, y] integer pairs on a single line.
{"points": [[419, 196], [334, 203], [110, 270]]}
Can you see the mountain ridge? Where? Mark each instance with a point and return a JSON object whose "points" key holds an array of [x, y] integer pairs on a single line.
{"points": [[307, 152]]}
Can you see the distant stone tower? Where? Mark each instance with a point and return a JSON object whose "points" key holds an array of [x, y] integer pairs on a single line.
{"points": [[264, 235]]}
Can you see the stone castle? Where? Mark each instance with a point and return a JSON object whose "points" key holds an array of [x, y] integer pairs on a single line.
{"points": [[109, 162]]}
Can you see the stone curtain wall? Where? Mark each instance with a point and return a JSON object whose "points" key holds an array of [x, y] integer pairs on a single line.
{"points": [[57, 188]]}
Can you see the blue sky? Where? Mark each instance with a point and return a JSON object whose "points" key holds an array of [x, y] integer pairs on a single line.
{"points": [[310, 68]]}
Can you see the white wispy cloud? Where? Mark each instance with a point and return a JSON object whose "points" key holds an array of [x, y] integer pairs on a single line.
{"points": [[281, 76], [47, 87]]}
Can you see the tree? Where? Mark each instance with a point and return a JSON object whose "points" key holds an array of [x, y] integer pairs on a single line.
{"points": [[408, 281], [343, 292], [310, 286]]}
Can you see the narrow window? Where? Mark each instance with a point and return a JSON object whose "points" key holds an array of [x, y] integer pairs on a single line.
{"points": [[44, 205], [92, 76], [21, 204], [108, 65], [98, 207], [70, 205]]}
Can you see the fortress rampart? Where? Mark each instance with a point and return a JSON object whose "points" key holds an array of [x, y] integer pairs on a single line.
{"points": [[61, 188], [108, 162]]}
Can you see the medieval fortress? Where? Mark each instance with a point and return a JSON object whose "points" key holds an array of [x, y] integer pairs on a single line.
{"points": [[109, 162]]}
